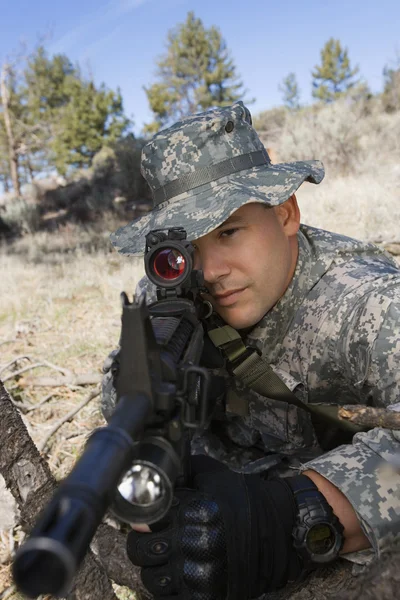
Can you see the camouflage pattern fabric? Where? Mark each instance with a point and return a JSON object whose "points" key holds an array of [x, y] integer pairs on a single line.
{"points": [[334, 337], [211, 153]]}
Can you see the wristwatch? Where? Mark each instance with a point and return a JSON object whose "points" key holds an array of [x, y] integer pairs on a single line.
{"points": [[317, 533]]}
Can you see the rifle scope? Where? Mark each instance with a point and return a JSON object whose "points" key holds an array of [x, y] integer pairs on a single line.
{"points": [[169, 260]]}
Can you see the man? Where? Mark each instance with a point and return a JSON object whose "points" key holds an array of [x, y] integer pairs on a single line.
{"points": [[322, 312]]}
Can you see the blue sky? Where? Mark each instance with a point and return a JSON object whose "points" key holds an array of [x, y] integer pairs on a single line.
{"points": [[118, 41]]}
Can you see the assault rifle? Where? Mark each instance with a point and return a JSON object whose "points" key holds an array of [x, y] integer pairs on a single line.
{"points": [[132, 465]]}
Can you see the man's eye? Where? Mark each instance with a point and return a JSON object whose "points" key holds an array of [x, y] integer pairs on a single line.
{"points": [[228, 232]]}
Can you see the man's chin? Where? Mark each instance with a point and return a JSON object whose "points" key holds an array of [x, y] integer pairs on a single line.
{"points": [[236, 318]]}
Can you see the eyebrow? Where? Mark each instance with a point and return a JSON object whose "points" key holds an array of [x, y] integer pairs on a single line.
{"points": [[231, 219]]}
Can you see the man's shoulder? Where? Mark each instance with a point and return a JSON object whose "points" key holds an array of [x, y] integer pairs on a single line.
{"points": [[342, 246], [350, 263]]}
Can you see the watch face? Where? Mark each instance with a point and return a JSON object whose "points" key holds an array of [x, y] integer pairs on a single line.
{"points": [[320, 539]]}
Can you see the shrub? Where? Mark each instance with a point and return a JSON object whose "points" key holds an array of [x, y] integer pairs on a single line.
{"points": [[20, 217], [330, 133]]}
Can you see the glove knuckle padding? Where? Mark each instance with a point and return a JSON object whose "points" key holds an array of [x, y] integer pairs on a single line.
{"points": [[193, 558], [202, 544], [235, 519], [202, 510], [203, 534]]}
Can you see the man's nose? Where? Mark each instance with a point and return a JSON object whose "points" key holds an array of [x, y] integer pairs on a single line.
{"points": [[213, 264]]}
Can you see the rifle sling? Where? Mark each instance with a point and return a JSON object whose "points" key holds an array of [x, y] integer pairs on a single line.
{"points": [[248, 366]]}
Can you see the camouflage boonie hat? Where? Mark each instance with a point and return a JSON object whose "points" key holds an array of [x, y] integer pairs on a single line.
{"points": [[205, 167]]}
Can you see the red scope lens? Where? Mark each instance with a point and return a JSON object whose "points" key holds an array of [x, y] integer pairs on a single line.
{"points": [[169, 264]]}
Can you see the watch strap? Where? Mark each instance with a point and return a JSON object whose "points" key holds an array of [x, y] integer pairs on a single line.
{"points": [[312, 510]]}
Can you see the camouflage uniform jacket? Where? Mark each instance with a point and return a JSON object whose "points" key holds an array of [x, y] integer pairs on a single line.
{"points": [[334, 337]]}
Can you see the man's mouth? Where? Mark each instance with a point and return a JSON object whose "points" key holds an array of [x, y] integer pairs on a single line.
{"points": [[228, 298]]}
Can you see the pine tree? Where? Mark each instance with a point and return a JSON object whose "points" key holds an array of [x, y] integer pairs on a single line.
{"points": [[391, 89], [52, 117], [67, 119], [92, 118], [196, 73], [334, 76], [45, 83], [290, 92]]}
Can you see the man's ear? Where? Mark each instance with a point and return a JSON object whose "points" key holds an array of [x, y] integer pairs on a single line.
{"points": [[288, 214]]}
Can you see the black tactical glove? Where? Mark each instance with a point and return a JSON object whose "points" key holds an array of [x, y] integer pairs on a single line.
{"points": [[228, 538]]}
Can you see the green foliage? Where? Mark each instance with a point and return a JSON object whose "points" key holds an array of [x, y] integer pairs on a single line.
{"points": [[290, 92], [196, 73], [45, 83], [334, 76], [92, 118], [59, 118], [391, 91], [44, 86]]}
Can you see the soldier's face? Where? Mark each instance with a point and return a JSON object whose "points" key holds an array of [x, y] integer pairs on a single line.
{"points": [[249, 261]]}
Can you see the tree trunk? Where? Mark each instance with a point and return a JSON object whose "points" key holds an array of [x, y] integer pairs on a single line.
{"points": [[28, 477], [13, 157]]}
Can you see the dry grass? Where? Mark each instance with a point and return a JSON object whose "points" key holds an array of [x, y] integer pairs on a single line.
{"points": [[359, 145], [366, 207], [68, 313], [59, 301], [63, 308]]}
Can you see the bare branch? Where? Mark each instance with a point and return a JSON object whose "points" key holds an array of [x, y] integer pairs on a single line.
{"points": [[10, 341], [8, 592], [367, 416], [69, 416], [43, 363], [45, 399], [12, 155], [73, 380], [13, 361], [23, 370]]}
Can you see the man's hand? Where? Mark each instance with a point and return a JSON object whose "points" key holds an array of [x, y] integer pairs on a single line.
{"points": [[188, 556], [228, 537]]}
